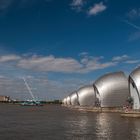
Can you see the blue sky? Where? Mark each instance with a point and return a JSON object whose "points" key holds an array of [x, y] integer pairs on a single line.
{"points": [[60, 46]]}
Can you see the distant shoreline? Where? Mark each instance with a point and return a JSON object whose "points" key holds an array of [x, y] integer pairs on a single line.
{"points": [[42, 102]]}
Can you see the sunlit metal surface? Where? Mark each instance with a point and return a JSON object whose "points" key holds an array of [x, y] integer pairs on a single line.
{"points": [[112, 89], [74, 99], [64, 101], [86, 96], [134, 85], [68, 100]]}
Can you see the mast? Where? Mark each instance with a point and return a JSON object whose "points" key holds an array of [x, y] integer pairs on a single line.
{"points": [[28, 88]]}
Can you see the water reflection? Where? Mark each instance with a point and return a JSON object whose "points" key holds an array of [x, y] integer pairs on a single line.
{"points": [[78, 124], [58, 123], [136, 130], [103, 126]]}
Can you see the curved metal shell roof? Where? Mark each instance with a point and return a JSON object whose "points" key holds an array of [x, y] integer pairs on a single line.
{"points": [[112, 89], [86, 96], [68, 100], [74, 99], [135, 76], [65, 101], [134, 81]]}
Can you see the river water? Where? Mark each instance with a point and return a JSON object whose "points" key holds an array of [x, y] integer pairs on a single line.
{"points": [[53, 122]]}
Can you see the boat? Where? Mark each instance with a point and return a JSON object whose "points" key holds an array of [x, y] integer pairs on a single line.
{"points": [[32, 102]]}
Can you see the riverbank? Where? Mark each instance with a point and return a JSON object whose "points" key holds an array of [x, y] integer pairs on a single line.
{"points": [[123, 113]]}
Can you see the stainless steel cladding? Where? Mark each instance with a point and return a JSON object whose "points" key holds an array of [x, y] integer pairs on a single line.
{"points": [[74, 99], [65, 101], [86, 96], [112, 89], [68, 100], [134, 85]]}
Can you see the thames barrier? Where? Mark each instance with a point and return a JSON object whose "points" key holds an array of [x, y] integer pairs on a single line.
{"points": [[112, 92]]}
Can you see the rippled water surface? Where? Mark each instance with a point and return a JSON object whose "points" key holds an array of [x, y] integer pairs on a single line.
{"points": [[53, 122]]}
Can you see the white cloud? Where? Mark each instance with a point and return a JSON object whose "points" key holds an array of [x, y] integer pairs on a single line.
{"points": [[64, 65], [83, 54], [52, 89], [7, 58], [132, 61], [51, 63], [125, 59], [77, 4], [97, 8], [120, 58]]}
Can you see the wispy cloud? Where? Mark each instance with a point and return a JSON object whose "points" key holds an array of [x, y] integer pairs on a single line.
{"points": [[132, 61], [64, 65], [77, 4], [125, 59], [7, 58], [133, 14], [83, 54], [131, 24], [134, 36], [51, 63], [40, 65], [97, 8], [120, 58]]}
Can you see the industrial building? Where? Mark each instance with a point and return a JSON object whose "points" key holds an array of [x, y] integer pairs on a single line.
{"points": [[4, 98]]}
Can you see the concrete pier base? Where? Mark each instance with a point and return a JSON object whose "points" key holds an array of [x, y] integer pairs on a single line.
{"points": [[96, 109], [123, 113], [132, 113]]}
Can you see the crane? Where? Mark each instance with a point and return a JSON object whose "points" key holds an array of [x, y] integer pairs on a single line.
{"points": [[33, 102], [29, 89]]}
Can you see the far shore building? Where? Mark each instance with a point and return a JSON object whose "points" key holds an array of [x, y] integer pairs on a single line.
{"points": [[4, 98]]}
